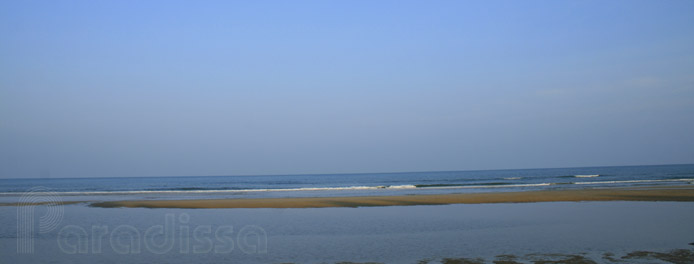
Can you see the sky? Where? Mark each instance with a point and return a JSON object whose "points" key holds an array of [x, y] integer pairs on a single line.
{"points": [[184, 88]]}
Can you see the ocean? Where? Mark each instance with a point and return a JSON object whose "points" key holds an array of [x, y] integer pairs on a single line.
{"points": [[455, 233], [349, 184]]}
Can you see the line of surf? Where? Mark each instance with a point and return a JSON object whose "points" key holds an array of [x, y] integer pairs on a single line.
{"points": [[350, 188]]}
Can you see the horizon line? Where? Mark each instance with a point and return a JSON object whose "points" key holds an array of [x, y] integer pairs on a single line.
{"points": [[348, 173]]}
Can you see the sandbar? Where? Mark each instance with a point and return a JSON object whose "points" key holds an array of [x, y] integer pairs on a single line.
{"points": [[676, 193]]}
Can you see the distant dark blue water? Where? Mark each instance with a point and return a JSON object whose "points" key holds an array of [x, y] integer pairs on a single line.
{"points": [[349, 184]]}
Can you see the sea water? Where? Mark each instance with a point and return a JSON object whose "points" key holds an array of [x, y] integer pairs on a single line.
{"points": [[347, 184], [77, 233], [394, 234]]}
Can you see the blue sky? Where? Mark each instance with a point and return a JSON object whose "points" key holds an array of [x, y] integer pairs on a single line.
{"points": [[155, 88]]}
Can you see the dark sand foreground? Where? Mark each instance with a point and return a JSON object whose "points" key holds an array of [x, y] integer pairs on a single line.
{"points": [[675, 193]]}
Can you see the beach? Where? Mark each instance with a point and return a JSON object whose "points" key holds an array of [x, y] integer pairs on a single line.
{"points": [[662, 193], [542, 232], [347, 132], [575, 215]]}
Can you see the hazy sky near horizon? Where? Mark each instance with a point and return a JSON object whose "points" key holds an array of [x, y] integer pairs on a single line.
{"points": [[168, 88]]}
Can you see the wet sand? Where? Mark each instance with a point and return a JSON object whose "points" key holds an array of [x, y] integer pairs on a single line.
{"points": [[542, 232], [674, 193], [683, 256]]}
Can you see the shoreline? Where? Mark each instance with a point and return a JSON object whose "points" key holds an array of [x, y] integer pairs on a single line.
{"points": [[660, 193]]}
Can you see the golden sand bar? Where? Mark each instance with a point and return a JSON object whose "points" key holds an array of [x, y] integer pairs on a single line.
{"points": [[679, 193]]}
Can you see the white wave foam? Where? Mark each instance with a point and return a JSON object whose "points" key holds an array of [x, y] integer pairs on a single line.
{"points": [[402, 187], [513, 178], [489, 186], [691, 181], [224, 191], [587, 176], [635, 181]]}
